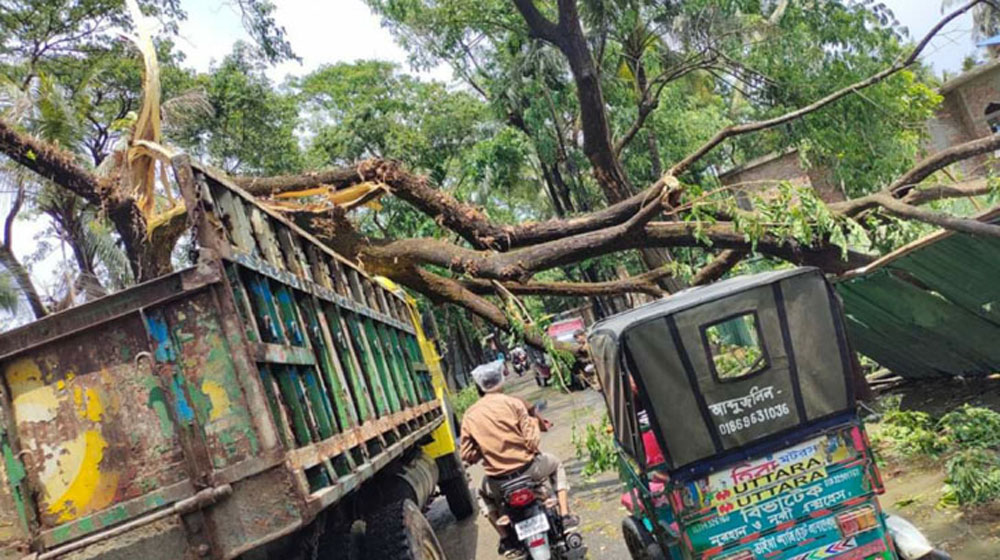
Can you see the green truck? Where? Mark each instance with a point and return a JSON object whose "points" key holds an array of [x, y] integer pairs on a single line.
{"points": [[270, 401]]}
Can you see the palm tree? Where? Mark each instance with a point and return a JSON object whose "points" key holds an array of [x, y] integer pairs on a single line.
{"points": [[8, 293]]}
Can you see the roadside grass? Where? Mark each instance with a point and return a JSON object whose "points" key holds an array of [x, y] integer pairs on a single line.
{"points": [[462, 400], [966, 441], [595, 446]]}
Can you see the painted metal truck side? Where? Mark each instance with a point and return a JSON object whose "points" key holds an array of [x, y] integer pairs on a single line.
{"points": [[216, 411]]}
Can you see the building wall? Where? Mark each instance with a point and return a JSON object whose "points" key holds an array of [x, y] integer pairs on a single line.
{"points": [[962, 115], [765, 173], [960, 118]]}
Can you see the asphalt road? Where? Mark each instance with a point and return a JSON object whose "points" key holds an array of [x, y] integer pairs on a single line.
{"points": [[594, 499]]}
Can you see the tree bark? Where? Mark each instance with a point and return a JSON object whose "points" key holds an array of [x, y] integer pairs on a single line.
{"points": [[720, 265], [149, 258], [644, 283], [567, 36], [13, 265], [24, 283]]}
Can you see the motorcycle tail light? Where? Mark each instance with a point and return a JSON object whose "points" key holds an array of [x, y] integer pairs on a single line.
{"points": [[857, 521], [741, 555], [521, 497]]}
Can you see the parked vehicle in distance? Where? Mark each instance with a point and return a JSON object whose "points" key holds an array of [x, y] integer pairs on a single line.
{"points": [[255, 405], [733, 409]]}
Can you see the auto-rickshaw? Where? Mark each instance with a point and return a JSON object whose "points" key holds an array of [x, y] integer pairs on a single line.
{"points": [[733, 410]]}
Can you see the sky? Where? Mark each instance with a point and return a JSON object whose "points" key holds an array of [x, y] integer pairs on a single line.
{"points": [[950, 46], [345, 30], [320, 33]]}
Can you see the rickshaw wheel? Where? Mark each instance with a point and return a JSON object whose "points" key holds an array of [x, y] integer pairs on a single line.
{"points": [[640, 544]]}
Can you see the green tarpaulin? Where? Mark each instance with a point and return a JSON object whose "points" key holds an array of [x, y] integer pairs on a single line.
{"points": [[929, 309]]}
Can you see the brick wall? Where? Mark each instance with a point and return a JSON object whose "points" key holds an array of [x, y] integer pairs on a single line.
{"points": [[962, 115], [763, 174], [960, 118]]}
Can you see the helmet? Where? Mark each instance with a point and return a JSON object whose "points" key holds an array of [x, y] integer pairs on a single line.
{"points": [[489, 377]]}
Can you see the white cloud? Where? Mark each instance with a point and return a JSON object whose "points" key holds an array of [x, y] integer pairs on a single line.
{"points": [[319, 32]]}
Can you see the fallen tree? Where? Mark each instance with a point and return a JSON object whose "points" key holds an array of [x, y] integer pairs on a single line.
{"points": [[488, 256]]}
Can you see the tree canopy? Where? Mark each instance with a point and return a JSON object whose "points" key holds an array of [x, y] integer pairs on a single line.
{"points": [[578, 156]]}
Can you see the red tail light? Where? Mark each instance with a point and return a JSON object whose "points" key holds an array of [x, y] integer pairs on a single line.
{"points": [[857, 521], [521, 497]]}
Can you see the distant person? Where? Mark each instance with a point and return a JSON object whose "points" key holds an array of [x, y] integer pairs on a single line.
{"points": [[503, 433], [582, 373]]}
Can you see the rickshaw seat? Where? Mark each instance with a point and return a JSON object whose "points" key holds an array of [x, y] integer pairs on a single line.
{"points": [[654, 456]]}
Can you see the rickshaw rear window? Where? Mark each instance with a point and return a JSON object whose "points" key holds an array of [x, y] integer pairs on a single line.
{"points": [[735, 347]]}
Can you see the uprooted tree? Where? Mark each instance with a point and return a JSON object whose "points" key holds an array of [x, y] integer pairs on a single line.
{"points": [[655, 193]]}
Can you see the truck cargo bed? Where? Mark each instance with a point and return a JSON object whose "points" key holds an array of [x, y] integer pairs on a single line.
{"points": [[209, 411]]}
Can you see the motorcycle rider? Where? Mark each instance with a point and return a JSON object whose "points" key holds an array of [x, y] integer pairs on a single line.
{"points": [[503, 433]]}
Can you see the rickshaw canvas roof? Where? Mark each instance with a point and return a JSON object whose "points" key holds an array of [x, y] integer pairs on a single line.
{"points": [[804, 376], [616, 325]]}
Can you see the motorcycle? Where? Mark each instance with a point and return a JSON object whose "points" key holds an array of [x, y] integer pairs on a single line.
{"points": [[533, 512]]}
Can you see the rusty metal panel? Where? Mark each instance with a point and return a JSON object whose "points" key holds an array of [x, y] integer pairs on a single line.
{"points": [[15, 505], [92, 422], [163, 540], [261, 508], [274, 366], [206, 384]]}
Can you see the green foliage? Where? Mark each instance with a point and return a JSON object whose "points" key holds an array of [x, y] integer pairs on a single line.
{"points": [[973, 478], [864, 140], [595, 447], [34, 31], [968, 436], [251, 126], [372, 109], [789, 211], [971, 427], [463, 399], [910, 433], [8, 293]]}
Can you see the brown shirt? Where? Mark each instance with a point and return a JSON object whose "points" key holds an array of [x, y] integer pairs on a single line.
{"points": [[498, 430]]}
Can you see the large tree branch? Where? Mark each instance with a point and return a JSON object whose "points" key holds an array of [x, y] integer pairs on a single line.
{"points": [[645, 283], [50, 162], [964, 225], [975, 187], [8, 224], [9, 261], [905, 187], [338, 178], [148, 259], [521, 264], [24, 283], [736, 130], [939, 160], [719, 266], [464, 219], [539, 25]]}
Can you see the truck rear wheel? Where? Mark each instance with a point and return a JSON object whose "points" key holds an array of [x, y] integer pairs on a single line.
{"points": [[400, 531], [459, 496], [455, 486]]}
